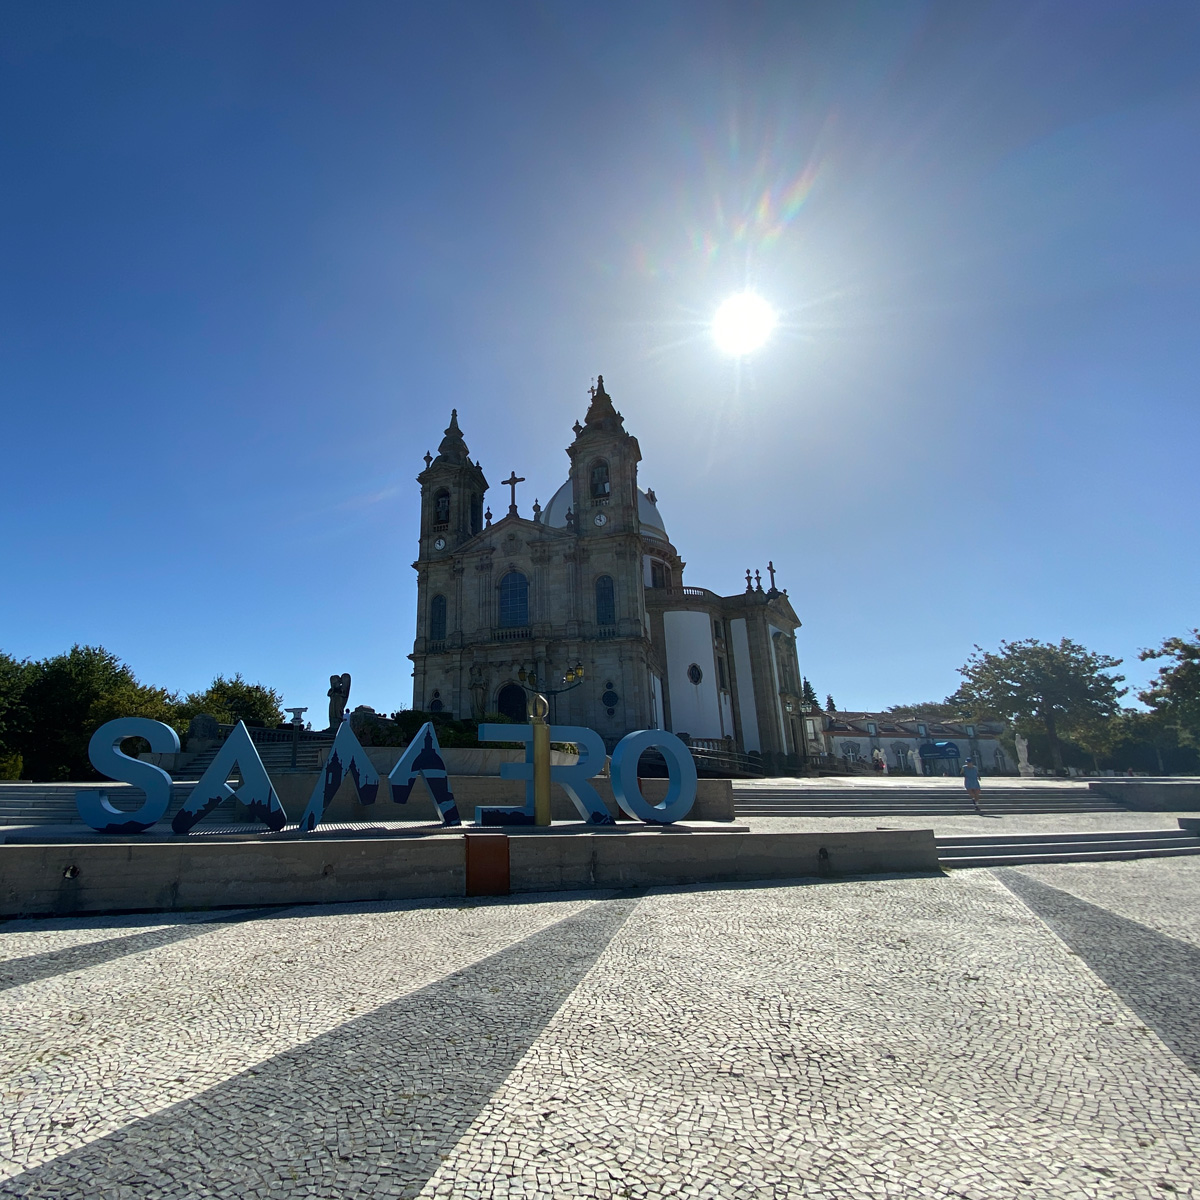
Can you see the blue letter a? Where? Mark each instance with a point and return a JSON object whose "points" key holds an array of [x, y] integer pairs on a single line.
{"points": [[256, 792], [424, 757], [346, 757]]}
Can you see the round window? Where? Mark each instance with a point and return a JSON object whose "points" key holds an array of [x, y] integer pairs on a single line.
{"points": [[694, 673]]}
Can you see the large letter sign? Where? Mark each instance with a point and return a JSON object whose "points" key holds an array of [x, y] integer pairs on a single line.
{"points": [[346, 757], [681, 770], [575, 778], [105, 754], [424, 758], [256, 792]]}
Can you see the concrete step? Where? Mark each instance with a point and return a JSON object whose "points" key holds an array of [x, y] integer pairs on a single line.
{"points": [[1053, 837], [1008, 850], [55, 805], [749, 790], [913, 810]]}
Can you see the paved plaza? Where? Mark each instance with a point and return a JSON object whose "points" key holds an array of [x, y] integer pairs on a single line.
{"points": [[1026, 1032]]}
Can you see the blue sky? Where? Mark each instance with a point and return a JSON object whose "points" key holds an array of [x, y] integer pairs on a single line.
{"points": [[252, 254]]}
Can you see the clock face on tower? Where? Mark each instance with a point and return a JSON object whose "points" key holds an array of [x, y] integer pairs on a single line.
{"points": [[600, 519], [439, 543]]}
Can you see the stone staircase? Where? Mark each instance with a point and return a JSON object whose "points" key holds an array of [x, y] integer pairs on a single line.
{"points": [[276, 757], [1029, 849], [914, 800], [54, 803]]}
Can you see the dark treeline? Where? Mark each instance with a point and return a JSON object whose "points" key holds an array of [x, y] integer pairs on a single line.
{"points": [[49, 709]]}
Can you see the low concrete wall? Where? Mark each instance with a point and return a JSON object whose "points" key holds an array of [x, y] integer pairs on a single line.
{"points": [[1151, 795], [548, 863], [167, 876], [714, 798]]}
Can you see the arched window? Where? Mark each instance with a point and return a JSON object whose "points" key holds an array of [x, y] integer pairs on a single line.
{"points": [[606, 601], [441, 507], [600, 484], [437, 619], [514, 601]]}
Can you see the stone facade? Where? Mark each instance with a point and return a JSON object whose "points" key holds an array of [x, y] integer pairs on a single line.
{"points": [[592, 582], [853, 737]]}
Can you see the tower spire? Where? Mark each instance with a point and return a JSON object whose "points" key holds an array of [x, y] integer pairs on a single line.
{"points": [[453, 448], [601, 411]]}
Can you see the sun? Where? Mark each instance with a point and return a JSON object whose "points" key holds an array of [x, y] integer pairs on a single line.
{"points": [[742, 324]]}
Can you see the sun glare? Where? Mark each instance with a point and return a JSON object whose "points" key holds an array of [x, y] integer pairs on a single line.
{"points": [[742, 324]]}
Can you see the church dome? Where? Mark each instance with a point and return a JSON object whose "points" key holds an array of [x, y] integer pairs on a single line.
{"points": [[555, 513]]}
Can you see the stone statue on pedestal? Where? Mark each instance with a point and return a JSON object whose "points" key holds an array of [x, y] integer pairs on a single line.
{"points": [[339, 698], [1023, 766]]}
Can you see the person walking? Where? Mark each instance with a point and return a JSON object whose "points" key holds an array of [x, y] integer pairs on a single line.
{"points": [[971, 782]]}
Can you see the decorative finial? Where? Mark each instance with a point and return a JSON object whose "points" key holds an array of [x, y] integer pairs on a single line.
{"points": [[577, 428], [651, 496], [487, 516], [537, 511], [428, 458], [749, 584], [758, 581], [570, 519]]}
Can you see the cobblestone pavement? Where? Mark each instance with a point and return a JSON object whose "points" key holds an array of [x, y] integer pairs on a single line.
{"points": [[1016, 1033]]}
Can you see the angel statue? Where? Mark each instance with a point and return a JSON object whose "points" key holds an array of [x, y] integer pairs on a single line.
{"points": [[339, 698]]}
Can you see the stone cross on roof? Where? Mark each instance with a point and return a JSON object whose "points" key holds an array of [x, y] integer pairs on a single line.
{"points": [[512, 481]]}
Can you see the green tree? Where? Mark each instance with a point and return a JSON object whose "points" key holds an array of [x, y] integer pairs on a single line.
{"points": [[14, 677], [829, 704], [1174, 694], [808, 695], [234, 700], [1037, 686], [67, 697], [932, 710]]}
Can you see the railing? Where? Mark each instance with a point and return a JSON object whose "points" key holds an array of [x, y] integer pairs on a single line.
{"points": [[434, 647], [698, 593], [511, 635], [721, 763], [440, 526], [607, 631], [599, 500], [268, 736]]}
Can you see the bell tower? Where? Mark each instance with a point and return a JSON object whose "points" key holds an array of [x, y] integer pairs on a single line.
{"points": [[604, 461], [452, 492]]}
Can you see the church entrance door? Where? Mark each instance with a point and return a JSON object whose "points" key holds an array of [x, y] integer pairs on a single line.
{"points": [[511, 702]]}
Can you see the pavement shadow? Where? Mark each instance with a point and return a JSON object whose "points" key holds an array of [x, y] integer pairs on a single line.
{"points": [[368, 1109], [17, 971], [1156, 975]]}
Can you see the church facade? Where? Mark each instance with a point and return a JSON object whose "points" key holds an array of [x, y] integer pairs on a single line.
{"points": [[586, 599]]}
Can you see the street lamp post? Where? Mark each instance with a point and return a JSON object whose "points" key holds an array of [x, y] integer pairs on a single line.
{"points": [[529, 681]]}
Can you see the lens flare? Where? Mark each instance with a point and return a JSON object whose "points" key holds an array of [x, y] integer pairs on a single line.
{"points": [[742, 324]]}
